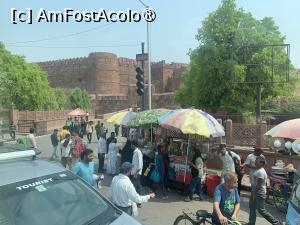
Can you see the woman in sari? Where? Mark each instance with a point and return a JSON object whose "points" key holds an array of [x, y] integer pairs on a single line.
{"points": [[161, 169], [112, 157]]}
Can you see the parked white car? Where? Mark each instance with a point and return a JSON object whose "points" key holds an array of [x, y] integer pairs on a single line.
{"points": [[40, 192]]}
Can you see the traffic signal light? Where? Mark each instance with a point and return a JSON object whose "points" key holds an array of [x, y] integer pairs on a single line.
{"points": [[140, 81]]}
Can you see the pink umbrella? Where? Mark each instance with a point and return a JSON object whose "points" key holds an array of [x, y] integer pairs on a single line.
{"points": [[287, 129], [77, 112]]}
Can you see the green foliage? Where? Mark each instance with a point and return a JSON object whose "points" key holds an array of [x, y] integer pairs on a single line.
{"points": [[290, 105], [219, 65], [80, 99], [248, 118], [282, 105], [60, 97], [25, 85]]}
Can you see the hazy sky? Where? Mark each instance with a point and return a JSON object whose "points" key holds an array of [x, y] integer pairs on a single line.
{"points": [[172, 33]]}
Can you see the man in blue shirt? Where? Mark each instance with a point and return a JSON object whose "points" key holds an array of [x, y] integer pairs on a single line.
{"points": [[84, 168], [226, 200]]}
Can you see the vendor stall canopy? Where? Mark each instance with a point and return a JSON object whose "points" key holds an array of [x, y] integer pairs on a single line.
{"points": [[193, 122], [146, 118]]}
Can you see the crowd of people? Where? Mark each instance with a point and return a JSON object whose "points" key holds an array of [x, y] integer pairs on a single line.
{"points": [[136, 165], [227, 194], [125, 164]]}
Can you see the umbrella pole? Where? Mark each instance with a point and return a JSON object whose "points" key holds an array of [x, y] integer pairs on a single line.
{"points": [[275, 158], [186, 157]]}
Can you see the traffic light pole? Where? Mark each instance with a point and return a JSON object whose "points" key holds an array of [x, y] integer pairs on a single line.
{"points": [[143, 68]]}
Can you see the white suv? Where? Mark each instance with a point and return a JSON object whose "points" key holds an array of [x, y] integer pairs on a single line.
{"points": [[40, 192]]}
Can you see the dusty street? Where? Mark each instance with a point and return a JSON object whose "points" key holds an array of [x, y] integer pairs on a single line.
{"points": [[159, 211]]}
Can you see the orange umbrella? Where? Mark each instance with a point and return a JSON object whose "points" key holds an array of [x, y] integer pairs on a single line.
{"points": [[77, 112]]}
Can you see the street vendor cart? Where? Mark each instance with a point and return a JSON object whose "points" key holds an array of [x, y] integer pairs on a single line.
{"points": [[179, 171], [193, 123]]}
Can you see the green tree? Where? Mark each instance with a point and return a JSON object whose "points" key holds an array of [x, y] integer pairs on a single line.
{"points": [[25, 84], [80, 98], [221, 59], [55, 99]]}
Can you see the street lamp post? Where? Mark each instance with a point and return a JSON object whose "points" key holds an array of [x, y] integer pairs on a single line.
{"points": [[149, 67], [149, 60]]}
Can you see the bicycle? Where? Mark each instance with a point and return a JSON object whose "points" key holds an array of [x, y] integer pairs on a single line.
{"points": [[201, 217]]}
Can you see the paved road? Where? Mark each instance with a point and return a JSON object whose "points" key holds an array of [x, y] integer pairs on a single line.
{"points": [[159, 211]]}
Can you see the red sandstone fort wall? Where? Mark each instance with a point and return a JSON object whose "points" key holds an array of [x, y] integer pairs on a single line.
{"points": [[111, 80]]}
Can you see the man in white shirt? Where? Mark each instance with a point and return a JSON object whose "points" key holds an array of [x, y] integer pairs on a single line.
{"points": [[137, 163], [258, 194], [31, 143], [66, 144], [101, 152], [250, 162], [122, 192], [227, 158]]}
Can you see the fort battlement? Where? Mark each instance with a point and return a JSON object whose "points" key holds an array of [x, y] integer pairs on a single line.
{"points": [[126, 61], [64, 61], [163, 63], [106, 74]]}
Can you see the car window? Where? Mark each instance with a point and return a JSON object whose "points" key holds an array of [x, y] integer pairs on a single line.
{"points": [[59, 199], [296, 196]]}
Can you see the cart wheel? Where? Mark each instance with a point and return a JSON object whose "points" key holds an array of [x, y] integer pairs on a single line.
{"points": [[281, 200]]}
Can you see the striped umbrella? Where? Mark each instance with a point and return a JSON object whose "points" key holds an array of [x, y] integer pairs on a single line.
{"points": [[121, 118], [192, 121]]}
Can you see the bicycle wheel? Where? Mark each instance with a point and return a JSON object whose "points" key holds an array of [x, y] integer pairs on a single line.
{"points": [[184, 220]]}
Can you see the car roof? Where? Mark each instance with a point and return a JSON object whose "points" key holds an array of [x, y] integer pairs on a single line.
{"points": [[17, 170]]}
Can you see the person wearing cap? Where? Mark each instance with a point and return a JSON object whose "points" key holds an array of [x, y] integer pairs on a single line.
{"points": [[54, 142], [227, 158], [250, 162], [258, 193], [122, 192]]}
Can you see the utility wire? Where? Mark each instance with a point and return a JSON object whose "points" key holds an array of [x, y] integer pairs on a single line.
{"points": [[61, 36], [143, 4]]}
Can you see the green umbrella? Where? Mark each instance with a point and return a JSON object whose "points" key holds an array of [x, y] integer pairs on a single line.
{"points": [[146, 118]]}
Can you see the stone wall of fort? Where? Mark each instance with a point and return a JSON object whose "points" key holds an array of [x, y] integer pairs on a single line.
{"points": [[166, 77], [112, 80]]}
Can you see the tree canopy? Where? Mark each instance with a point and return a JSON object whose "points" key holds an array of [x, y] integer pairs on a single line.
{"points": [[232, 53], [26, 85], [80, 98]]}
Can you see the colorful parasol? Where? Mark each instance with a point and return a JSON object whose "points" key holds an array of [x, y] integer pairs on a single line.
{"points": [[287, 129], [77, 112], [192, 121], [146, 118], [121, 118]]}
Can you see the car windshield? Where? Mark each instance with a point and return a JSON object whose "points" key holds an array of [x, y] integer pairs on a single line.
{"points": [[59, 199]]}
